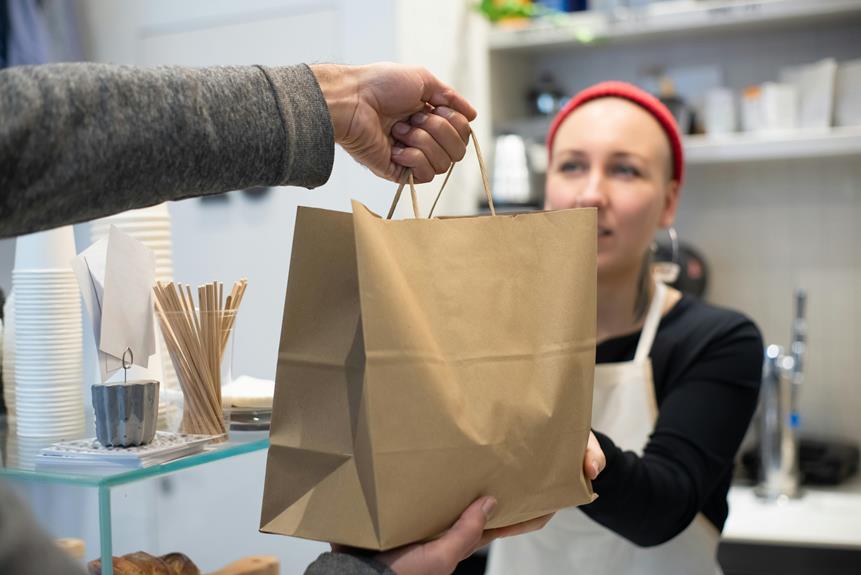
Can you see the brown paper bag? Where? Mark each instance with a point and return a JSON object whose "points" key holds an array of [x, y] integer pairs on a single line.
{"points": [[426, 362]]}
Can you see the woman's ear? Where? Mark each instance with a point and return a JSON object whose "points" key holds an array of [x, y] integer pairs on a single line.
{"points": [[671, 203]]}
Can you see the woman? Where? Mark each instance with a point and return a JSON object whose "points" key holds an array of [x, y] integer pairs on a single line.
{"points": [[677, 379]]}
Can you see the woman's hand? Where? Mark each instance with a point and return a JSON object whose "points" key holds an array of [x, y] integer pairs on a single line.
{"points": [[441, 556], [390, 117], [594, 460]]}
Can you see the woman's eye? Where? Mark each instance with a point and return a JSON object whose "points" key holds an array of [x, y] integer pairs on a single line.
{"points": [[626, 171], [572, 166]]}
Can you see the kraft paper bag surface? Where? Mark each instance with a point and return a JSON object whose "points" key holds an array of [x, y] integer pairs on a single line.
{"points": [[426, 362]]}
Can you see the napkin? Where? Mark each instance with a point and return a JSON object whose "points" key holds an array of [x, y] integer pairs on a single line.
{"points": [[116, 275]]}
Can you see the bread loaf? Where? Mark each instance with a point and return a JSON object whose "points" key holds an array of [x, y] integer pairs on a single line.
{"points": [[180, 564], [122, 566], [150, 564], [141, 563]]}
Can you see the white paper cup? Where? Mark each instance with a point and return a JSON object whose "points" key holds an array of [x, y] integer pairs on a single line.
{"points": [[131, 225], [34, 397], [57, 388], [56, 433], [49, 249], [48, 280], [60, 395], [59, 371], [56, 374], [29, 349], [46, 417]]}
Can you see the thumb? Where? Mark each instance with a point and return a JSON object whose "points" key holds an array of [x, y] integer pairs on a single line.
{"points": [[464, 536], [439, 93]]}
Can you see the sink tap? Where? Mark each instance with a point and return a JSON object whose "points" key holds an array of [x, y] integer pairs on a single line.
{"points": [[783, 374]]}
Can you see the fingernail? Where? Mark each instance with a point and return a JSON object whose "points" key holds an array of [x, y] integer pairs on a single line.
{"points": [[401, 129], [487, 506], [444, 112], [397, 150]]}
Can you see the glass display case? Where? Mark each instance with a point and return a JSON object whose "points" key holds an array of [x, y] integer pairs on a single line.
{"points": [[20, 465]]}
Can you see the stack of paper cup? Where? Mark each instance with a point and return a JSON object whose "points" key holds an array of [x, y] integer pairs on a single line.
{"points": [[9, 355], [48, 336], [151, 226]]}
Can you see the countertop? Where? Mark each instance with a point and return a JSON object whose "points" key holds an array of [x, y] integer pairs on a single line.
{"points": [[823, 516]]}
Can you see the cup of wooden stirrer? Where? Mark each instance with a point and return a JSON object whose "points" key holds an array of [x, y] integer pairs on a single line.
{"points": [[197, 337]]}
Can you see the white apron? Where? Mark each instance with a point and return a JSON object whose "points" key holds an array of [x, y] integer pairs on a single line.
{"points": [[624, 407]]}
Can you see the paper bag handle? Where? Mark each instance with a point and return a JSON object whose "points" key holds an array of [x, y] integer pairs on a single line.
{"points": [[414, 196]]}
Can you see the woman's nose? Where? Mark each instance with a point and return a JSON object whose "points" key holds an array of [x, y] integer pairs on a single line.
{"points": [[592, 195]]}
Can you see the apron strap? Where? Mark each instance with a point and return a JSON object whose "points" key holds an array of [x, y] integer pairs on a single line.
{"points": [[653, 318]]}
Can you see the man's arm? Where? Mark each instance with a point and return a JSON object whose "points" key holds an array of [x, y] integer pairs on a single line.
{"points": [[24, 548], [80, 141]]}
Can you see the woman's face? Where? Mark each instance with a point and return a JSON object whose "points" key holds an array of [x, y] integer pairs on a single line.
{"points": [[613, 155]]}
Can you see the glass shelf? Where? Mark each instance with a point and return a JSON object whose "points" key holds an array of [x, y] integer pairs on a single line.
{"points": [[24, 468], [19, 464]]}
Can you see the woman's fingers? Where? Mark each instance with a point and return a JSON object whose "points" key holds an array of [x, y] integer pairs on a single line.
{"points": [[516, 529], [594, 460]]}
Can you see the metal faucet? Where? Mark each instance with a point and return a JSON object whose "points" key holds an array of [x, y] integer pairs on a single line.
{"points": [[782, 377]]}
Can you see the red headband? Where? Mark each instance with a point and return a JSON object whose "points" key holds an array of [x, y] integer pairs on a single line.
{"points": [[633, 94]]}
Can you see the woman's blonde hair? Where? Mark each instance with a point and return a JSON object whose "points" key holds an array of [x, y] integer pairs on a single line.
{"points": [[644, 287]]}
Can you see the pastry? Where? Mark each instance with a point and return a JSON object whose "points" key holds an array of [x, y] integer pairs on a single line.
{"points": [[141, 563], [122, 566], [180, 564], [149, 564]]}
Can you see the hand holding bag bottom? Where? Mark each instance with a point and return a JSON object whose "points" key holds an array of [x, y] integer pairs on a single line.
{"points": [[426, 362]]}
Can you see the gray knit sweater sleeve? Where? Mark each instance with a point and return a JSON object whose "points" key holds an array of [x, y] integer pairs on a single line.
{"points": [[345, 564], [80, 141], [24, 548]]}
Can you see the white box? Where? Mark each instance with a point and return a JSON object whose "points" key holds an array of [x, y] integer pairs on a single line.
{"points": [[847, 94]]}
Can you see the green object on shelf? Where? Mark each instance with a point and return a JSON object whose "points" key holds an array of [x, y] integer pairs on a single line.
{"points": [[496, 10]]}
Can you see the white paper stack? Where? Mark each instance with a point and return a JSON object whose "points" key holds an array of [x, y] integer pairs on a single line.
{"points": [[48, 359], [152, 227], [91, 456]]}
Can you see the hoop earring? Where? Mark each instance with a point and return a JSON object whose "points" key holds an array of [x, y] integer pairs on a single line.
{"points": [[668, 272]]}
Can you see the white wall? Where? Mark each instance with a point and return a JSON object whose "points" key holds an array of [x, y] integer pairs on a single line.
{"points": [[449, 38], [771, 227]]}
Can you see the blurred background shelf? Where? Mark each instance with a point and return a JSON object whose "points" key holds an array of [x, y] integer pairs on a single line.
{"points": [[741, 147], [753, 147], [691, 18]]}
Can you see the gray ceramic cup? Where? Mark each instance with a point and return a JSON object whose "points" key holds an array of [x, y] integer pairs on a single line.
{"points": [[126, 413]]}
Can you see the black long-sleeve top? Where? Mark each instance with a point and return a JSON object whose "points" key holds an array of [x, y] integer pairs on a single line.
{"points": [[707, 366]]}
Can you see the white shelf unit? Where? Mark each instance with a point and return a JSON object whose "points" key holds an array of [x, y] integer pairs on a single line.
{"points": [[739, 148], [747, 41], [681, 18], [753, 147]]}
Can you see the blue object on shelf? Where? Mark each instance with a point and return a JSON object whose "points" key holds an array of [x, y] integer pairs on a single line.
{"points": [[563, 5]]}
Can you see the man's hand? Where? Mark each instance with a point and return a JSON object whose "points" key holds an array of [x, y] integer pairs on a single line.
{"points": [[390, 117], [441, 556]]}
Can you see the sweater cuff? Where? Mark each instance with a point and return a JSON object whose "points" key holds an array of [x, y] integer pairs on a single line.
{"points": [[346, 564], [308, 131]]}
